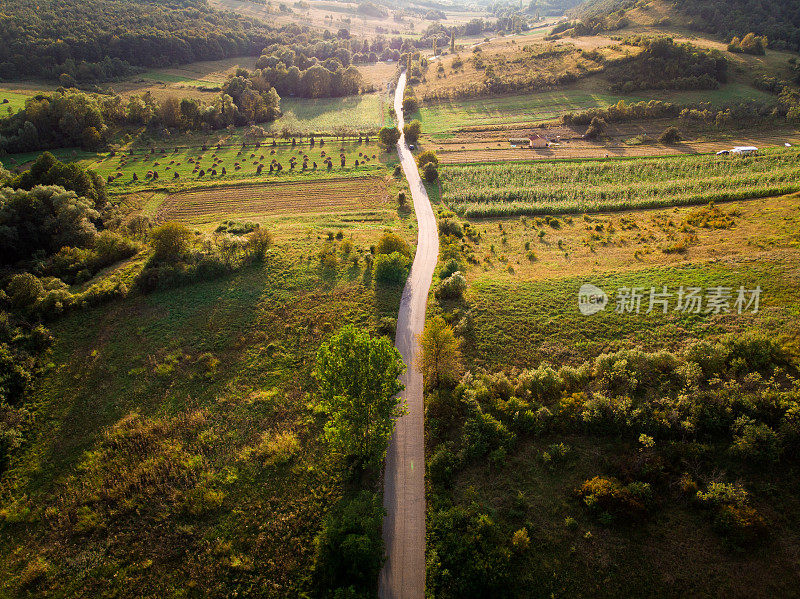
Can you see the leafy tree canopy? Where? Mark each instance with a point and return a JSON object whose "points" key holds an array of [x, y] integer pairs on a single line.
{"points": [[358, 387]]}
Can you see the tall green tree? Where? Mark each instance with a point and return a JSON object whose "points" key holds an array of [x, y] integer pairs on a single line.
{"points": [[358, 388]]}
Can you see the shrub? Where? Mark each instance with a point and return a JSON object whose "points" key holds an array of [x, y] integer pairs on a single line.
{"points": [[392, 242], [541, 383], [429, 172], [753, 352], [468, 556], [608, 499], [412, 131], [328, 258], [453, 287], [750, 44], [449, 268], [483, 433], [348, 552], [410, 105], [391, 269], [387, 326], [259, 241], [111, 247], [442, 465], [388, 137], [710, 357], [452, 227], [170, 241], [741, 525], [735, 519], [211, 266], [520, 540], [23, 290], [755, 441], [426, 157], [236, 227], [720, 494], [596, 128]]}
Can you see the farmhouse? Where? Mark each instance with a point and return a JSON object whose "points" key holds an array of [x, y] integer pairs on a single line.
{"points": [[534, 141]]}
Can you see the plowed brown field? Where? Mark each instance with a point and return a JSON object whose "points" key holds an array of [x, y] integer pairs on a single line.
{"points": [[335, 195]]}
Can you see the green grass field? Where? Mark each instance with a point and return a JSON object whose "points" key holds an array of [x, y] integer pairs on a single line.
{"points": [[443, 118], [176, 445], [522, 323], [170, 78], [16, 100], [10, 161], [595, 185], [366, 113]]}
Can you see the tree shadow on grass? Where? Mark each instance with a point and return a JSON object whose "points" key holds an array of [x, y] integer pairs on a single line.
{"points": [[387, 300]]}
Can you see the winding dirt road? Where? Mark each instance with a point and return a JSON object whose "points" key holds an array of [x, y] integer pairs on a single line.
{"points": [[403, 575]]}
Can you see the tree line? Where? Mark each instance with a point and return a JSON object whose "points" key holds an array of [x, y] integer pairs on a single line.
{"points": [[68, 118], [322, 70]]}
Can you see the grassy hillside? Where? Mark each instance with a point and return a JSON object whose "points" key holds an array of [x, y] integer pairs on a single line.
{"points": [[174, 446]]}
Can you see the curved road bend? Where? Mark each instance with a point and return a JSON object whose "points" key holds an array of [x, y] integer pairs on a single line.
{"points": [[403, 575]]}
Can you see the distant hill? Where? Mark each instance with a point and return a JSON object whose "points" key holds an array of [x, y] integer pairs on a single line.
{"points": [[95, 40], [550, 8], [779, 20]]}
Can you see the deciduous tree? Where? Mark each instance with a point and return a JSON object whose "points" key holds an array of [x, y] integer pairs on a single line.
{"points": [[440, 353], [358, 387]]}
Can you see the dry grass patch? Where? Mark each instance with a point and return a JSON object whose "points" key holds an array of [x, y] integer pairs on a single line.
{"points": [[535, 249]]}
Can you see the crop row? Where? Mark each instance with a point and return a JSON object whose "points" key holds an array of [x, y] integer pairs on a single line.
{"points": [[588, 186]]}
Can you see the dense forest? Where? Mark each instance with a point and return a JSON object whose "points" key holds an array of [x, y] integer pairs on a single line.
{"points": [[778, 20], [94, 40]]}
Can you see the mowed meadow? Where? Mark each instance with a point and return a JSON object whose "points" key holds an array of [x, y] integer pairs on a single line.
{"points": [[442, 118], [513, 189]]}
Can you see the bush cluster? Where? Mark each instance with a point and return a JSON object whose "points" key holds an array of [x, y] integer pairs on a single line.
{"points": [[665, 64], [630, 392]]}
